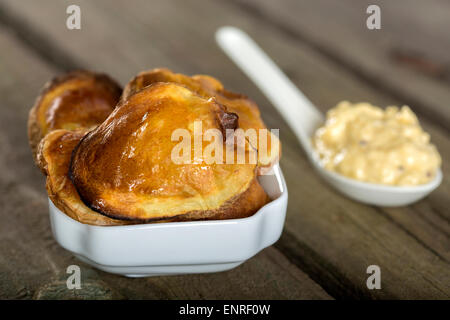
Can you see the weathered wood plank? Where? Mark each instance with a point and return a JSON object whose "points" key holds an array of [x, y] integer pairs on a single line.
{"points": [[333, 240], [32, 265], [408, 57]]}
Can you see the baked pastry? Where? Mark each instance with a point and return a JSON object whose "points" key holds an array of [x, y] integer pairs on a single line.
{"points": [[125, 169], [118, 168], [78, 99], [209, 87], [54, 154]]}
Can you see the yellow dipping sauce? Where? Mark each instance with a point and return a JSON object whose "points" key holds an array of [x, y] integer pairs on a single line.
{"points": [[367, 143]]}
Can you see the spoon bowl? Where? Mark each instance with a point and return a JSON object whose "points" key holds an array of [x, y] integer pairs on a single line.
{"points": [[304, 118], [378, 194]]}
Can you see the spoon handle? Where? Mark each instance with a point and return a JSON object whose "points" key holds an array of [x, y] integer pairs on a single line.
{"points": [[293, 105]]}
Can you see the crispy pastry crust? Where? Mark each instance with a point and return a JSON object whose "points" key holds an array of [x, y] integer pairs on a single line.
{"points": [[54, 152], [74, 100], [209, 87], [123, 169], [56, 134]]}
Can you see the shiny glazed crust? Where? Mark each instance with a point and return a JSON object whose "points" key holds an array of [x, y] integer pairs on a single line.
{"points": [[78, 99], [123, 168], [86, 181], [54, 153], [209, 87]]}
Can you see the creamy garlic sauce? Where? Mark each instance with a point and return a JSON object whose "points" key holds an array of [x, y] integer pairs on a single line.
{"points": [[367, 143]]}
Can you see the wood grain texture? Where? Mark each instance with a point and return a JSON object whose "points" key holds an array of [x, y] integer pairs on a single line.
{"points": [[32, 265], [330, 237], [407, 58]]}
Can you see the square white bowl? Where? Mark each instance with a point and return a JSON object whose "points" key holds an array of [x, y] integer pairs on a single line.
{"points": [[176, 247]]}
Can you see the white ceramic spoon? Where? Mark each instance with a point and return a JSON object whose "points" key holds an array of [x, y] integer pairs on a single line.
{"points": [[304, 118]]}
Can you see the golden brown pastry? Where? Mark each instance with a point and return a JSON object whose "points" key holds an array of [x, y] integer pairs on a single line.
{"points": [[78, 99], [54, 159], [121, 170], [209, 87], [124, 168]]}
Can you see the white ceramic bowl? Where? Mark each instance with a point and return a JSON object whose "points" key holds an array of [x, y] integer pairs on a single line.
{"points": [[176, 247]]}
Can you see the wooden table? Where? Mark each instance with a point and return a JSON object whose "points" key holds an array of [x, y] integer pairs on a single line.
{"points": [[325, 48]]}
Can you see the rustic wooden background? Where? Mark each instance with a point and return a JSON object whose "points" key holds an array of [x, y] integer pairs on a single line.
{"points": [[324, 47]]}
